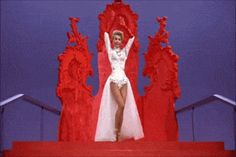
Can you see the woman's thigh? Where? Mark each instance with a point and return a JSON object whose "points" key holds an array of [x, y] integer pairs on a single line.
{"points": [[123, 91], [116, 92]]}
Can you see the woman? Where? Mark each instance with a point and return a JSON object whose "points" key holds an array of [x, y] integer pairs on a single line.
{"points": [[118, 115]]}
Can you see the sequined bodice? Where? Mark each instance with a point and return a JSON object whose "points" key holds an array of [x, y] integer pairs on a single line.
{"points": [[117, 59]]}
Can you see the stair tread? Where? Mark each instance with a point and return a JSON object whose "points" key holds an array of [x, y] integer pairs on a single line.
{"points": [[121, 145], [119, 149], [129, 153]]}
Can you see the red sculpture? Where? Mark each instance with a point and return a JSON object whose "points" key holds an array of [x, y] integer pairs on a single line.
{"points": [[80, 109], [116, 16], [161, 68], [75, 95]]}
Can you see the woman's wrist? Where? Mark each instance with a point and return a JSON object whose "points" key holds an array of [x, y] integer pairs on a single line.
{"points": [[131, 35]]}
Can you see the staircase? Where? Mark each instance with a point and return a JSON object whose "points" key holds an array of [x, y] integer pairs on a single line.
{"points": [[127, 148]]}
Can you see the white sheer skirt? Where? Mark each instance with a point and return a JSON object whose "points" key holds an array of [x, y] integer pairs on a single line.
{"points": [[131, 125]]}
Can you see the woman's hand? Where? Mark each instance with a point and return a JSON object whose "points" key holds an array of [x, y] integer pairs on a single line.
{"points": [[130, 33], [122, 23]]}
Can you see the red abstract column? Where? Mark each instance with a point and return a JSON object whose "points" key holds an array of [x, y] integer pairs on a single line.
{"points": [[117, 16], [161, 68], [75, 95]]}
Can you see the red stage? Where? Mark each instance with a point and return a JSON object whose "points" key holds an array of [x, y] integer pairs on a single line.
{"points": [[119, 149]]}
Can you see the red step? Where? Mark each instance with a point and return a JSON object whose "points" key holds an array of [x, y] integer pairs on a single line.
{"points": [[121, 149]]}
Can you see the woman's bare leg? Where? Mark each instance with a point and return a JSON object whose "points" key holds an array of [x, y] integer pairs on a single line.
{"points": [[119, 100], [123, 91]]}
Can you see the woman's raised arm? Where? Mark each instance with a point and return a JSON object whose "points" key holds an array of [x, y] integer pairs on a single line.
{"points": [[128, 45], [107, 42]]}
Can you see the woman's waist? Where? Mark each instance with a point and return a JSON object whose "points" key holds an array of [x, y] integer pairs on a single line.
{"points": [[117, 67], [118, 72]]}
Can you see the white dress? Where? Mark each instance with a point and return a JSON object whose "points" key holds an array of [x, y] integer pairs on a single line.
{"points": [[131, 125]]}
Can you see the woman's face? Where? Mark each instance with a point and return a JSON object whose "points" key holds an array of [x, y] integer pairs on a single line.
{"points": [[117, 41]]}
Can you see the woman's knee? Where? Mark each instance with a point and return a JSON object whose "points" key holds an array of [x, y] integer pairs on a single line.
{"points": [[121, 108], [121, 104]]}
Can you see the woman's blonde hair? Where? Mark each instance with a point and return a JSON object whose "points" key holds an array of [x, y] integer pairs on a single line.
{"points": [[118, 32]]}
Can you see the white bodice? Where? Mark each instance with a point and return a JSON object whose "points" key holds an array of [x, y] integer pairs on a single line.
{"points": [[117, 58]]}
